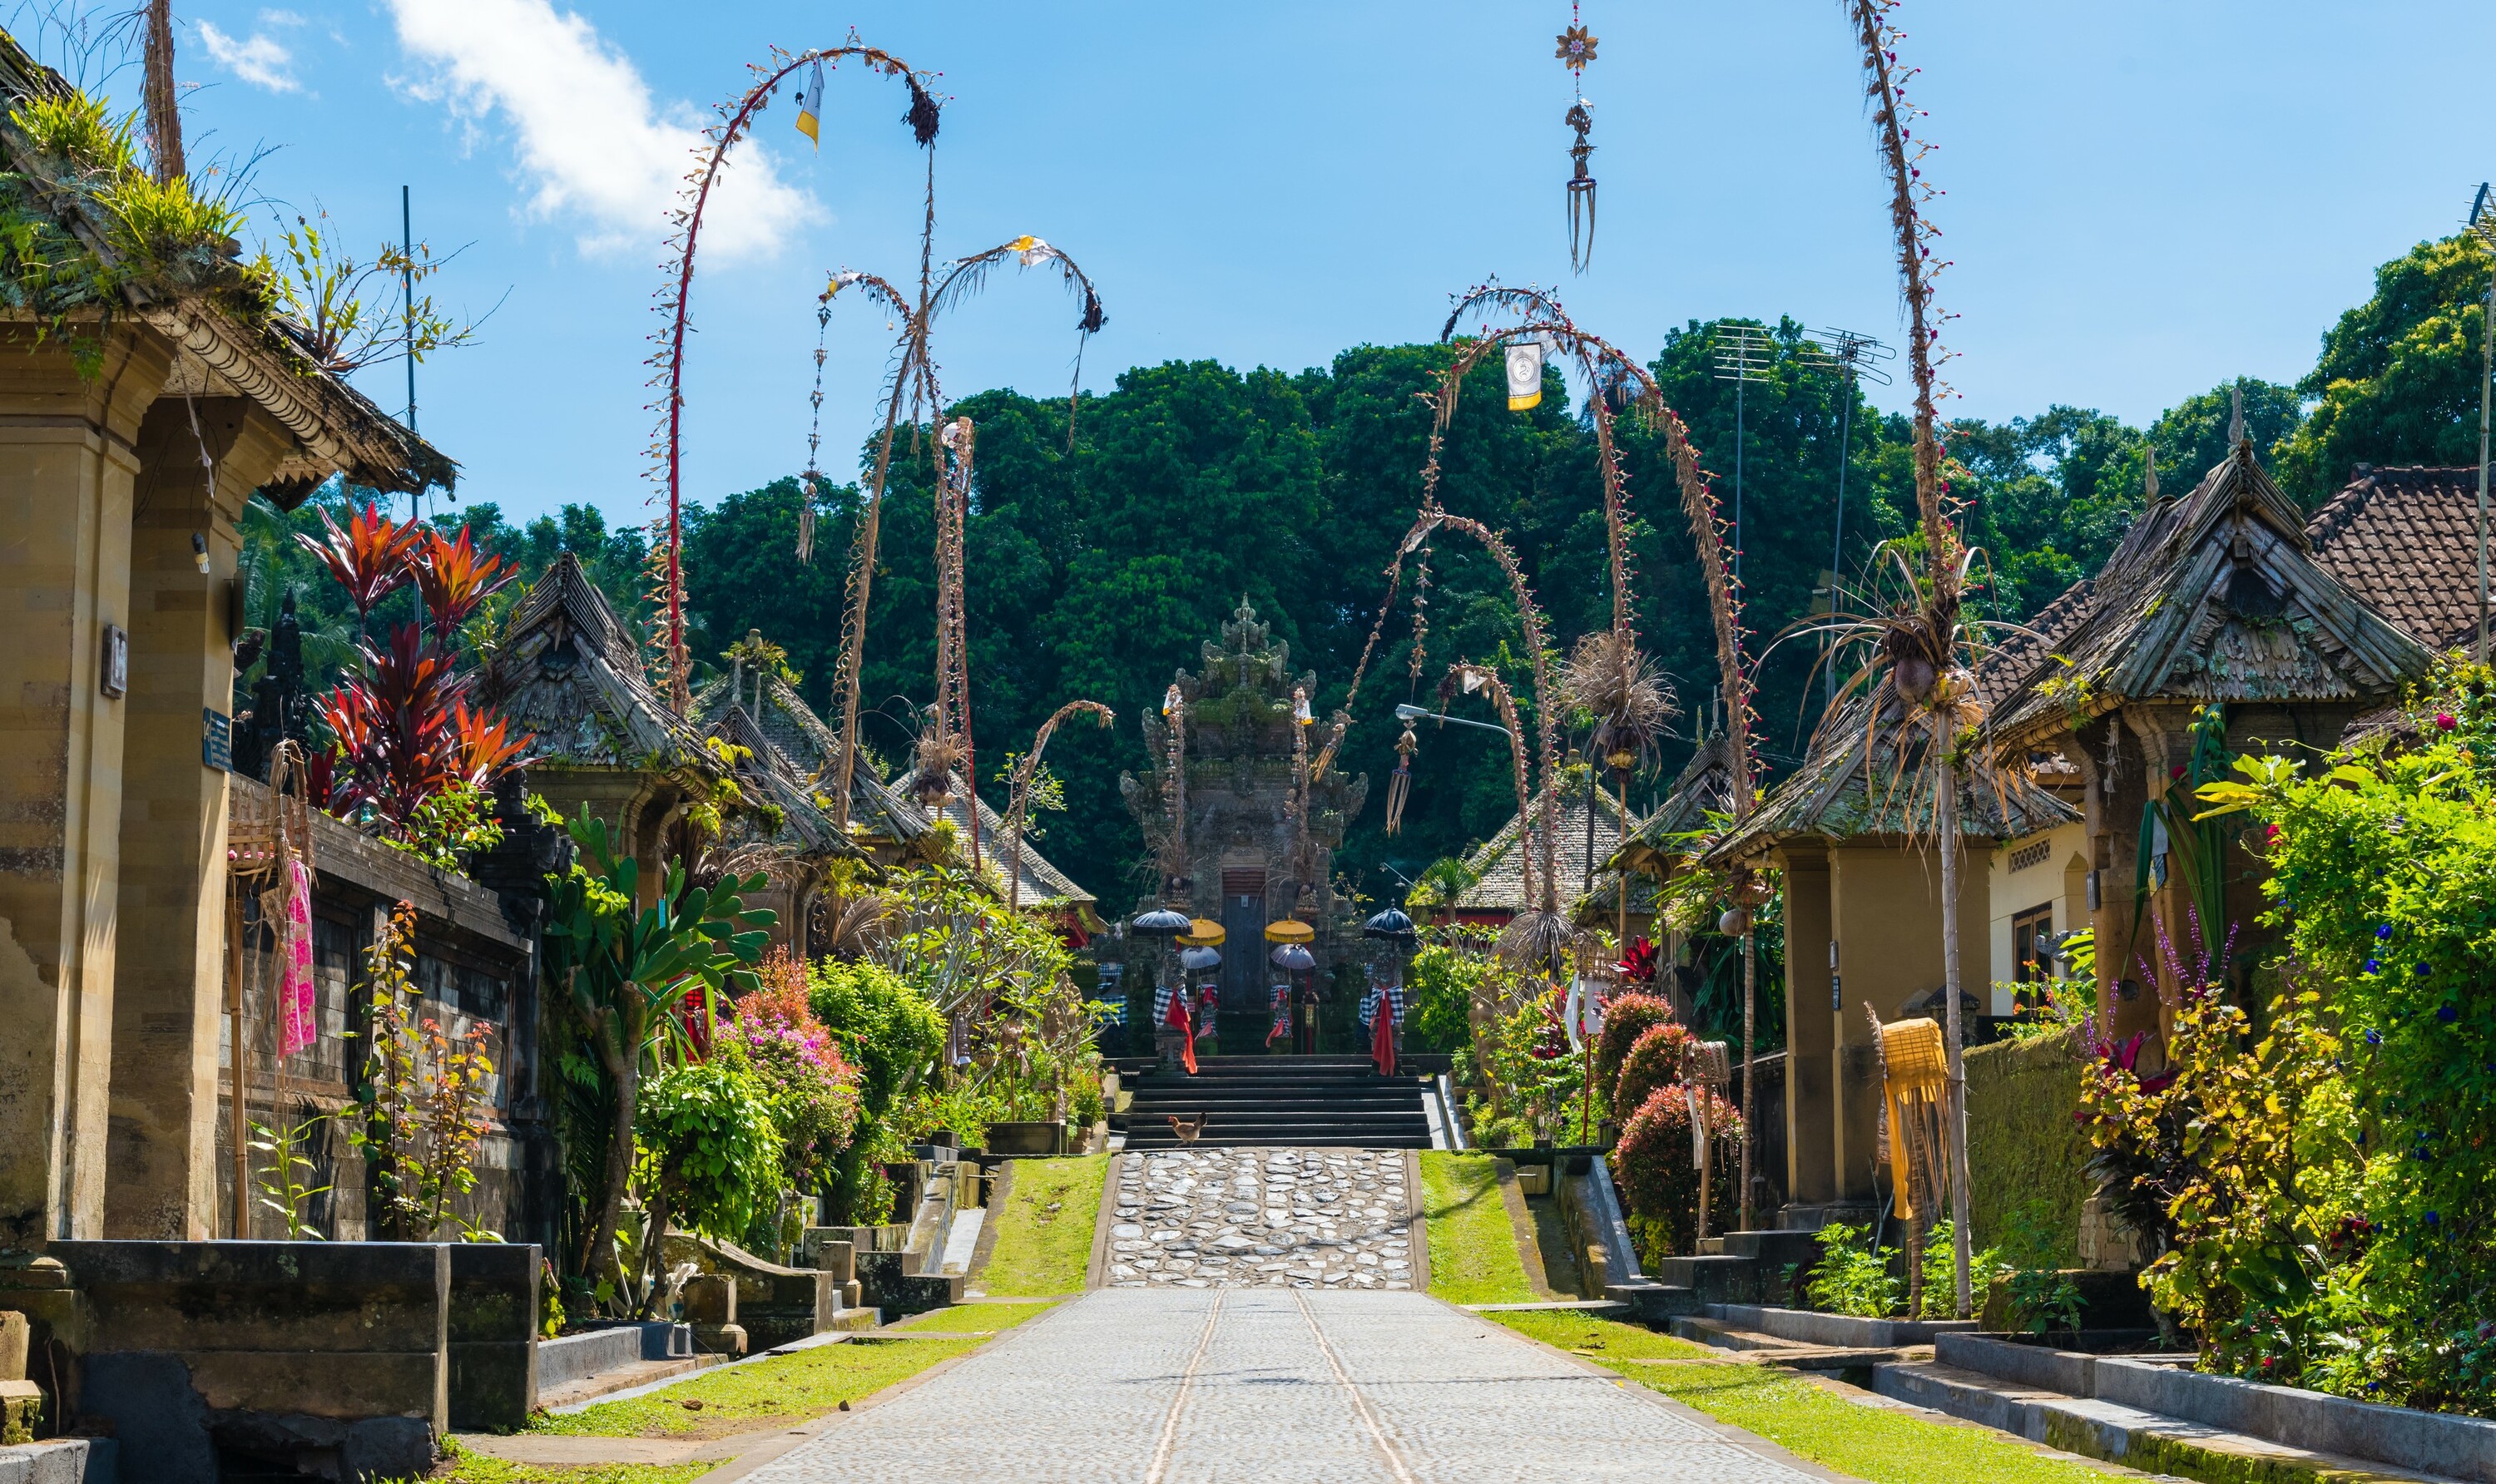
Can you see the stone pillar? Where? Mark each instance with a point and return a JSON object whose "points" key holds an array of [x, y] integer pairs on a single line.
{"points": [[169, 990], [1811, 1027], [67, 466]]}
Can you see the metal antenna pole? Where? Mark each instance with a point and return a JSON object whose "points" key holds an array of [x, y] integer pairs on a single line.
{"points": [[407, 321], [1853, 354], [1744, 353]]}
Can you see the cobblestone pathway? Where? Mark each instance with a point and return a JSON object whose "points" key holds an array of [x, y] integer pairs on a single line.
{"points": [[1262, 1218], [1174, 1386]]}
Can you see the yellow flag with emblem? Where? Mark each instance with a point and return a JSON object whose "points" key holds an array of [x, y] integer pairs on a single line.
{"points": [[810, 105], [1524, 374]]}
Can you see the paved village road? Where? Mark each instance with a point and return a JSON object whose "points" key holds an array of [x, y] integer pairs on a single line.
{"points": [[1147, 1386]]}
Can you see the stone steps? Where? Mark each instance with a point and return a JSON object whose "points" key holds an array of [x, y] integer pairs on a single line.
{"points": [[1307, 1102], [2118, 1433]]}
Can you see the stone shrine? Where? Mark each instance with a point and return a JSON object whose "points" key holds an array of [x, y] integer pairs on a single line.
{"points": [[1251, 752]]}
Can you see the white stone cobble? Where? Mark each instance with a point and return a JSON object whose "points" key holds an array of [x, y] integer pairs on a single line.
{"points": [[1270, 1218], [1185, 1386]]}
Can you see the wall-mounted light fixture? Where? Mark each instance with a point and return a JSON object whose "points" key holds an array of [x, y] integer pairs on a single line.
{"points": [[200, 552]]}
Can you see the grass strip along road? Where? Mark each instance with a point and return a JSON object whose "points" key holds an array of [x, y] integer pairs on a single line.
{"points": [[1044, 1230], [1473, 1245], [1813, 1420]]}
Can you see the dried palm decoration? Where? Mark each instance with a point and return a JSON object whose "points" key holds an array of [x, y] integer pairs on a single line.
{"points": [[1399, 785], [1921, 711], [1621, 386], [674, 301]]}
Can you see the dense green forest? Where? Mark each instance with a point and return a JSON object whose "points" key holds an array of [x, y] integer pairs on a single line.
{"points": [[1100, 564]]}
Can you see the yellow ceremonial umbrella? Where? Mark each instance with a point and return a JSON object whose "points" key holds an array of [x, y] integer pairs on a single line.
{"points": [[1201, 933], [1290, 930]]}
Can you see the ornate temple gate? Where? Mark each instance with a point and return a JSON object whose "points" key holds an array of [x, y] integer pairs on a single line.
{"points": [[1244, 973]]}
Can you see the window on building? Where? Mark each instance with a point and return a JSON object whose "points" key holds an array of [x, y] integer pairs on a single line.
{"points": [[2032, 944]]}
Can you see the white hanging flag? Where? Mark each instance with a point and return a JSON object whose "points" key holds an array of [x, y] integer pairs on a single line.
{"points": [[1524, 374], [810, 105]]}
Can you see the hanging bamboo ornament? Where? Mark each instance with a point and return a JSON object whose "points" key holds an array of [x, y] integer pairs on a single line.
{"points": [[1576, 48]]}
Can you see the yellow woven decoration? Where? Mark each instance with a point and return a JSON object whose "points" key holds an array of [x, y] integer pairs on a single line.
{"points": [[1916, 1071]]}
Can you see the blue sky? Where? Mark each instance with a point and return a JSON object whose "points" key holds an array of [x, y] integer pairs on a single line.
{"points": [[2143, 198]]}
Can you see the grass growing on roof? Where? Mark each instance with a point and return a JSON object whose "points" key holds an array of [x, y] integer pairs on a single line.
{"points": [[743, 1399], [1872, 1443], [1044, 1233], [1473, 1245], [466, 1468], [973, 1316]]}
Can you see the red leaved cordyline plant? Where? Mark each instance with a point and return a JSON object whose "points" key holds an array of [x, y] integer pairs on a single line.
{"points": [[405, 733], [394, 729], [453, 578], [481, 746], [370, 558]]}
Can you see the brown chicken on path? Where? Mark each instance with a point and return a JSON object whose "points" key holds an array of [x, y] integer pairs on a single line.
{"points": [[1187, 1128]]}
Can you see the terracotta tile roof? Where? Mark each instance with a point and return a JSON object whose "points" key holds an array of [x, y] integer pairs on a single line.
{"points": [[2405, 541]]}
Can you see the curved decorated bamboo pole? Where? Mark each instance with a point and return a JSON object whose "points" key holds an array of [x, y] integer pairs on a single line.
{"points": [[1021, 790], [1477, 677], [913, 376], [669, 365], [1936, 628]]}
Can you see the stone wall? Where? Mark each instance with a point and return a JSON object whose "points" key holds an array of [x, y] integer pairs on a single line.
{"points": [[205, 1356], [2022, 1144], [474, 965]]}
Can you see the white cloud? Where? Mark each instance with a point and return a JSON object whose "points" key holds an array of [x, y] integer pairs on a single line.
{"points": [[585, 132], [256, 59]]}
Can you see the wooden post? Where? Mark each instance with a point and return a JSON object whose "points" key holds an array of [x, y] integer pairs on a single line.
{"points": [[237, 1116]]}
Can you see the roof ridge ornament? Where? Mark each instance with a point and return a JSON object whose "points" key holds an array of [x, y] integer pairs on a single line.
{"points": [[2237, 437]]}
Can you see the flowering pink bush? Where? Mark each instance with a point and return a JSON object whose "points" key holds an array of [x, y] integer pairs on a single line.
{"points": [[813, 1089]]}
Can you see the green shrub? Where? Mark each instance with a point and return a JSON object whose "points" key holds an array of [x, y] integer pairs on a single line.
{"points": [[77, 129], [1853, 1276], [1654, 1062], [709, 1141], [1626, 1018]]}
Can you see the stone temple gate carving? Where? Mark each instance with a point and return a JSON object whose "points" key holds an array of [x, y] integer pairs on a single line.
{"points": [[1249, 861]]}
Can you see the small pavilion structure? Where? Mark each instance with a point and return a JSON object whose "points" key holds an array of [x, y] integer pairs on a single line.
{"points": [[607, 744]]}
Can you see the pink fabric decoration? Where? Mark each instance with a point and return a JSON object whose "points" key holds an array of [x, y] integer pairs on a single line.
{"points": [[295, 960]]}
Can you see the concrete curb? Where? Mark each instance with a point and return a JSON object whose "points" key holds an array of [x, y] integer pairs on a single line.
{"points": [[1096, 1267], [1416, 1224]]}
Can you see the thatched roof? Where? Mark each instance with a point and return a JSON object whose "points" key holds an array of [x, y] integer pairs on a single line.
{"points": [[768, 777], [806, 753], [1854, 786], [230, 341], [569, 672], [813, 751], [1498, 866], [1040, 881], [2222, 595]]}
